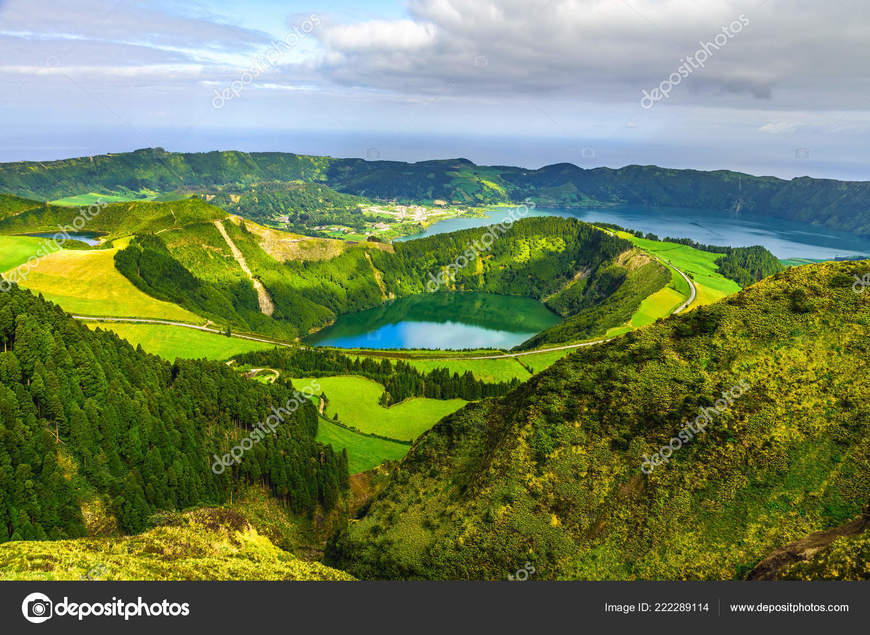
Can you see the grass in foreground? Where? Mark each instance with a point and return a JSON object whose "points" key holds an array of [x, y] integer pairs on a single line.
{"points": [[363, 452], [86, 282], [172, 342], [15, 250], [206, 544], [355, 401]]}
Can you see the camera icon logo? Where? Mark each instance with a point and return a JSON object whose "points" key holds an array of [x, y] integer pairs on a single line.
{"points": [[37, 608]]}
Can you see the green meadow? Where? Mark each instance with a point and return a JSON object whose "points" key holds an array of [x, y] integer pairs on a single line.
{"points": [[541, 361], [699, 265], [86, 282], [363, 452], [15, 250], [488, 370], [93, 197], [172, 342], [355, 401]]}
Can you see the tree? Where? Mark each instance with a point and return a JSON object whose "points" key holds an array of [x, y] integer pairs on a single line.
{"points": [[7, 326]]}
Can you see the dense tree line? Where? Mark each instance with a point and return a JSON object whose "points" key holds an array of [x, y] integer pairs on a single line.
{"points": [[534, 257], [83, 414], [400, 379], [149, 265], [305, 205]]}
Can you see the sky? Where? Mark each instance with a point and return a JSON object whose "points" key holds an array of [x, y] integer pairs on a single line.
{"points": [[772, 87]]}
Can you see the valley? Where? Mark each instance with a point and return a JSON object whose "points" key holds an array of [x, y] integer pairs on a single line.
{"points": [[477, 388]]}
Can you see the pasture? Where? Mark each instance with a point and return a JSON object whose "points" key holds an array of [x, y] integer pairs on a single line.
{"points": [[363, 452], [355, 401], [86, 282], [173, 342]]}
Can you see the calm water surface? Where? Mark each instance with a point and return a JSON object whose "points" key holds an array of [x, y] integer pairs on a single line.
{"points": [[442, 321], [784, 239]]}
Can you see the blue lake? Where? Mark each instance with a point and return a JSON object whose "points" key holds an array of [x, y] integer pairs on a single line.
{"points": [[785, 239], [441, 321]]}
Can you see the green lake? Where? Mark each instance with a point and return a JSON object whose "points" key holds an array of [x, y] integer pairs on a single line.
{"points": [[441, 321]]}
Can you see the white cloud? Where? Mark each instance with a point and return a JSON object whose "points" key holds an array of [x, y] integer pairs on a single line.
{"points": [[609, 50], [379, 35]]}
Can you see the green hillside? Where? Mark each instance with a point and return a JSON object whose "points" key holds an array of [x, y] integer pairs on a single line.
{"points": [[839, 205], [85, 417], [12, 205], [571, 266], [301, 205], [115, 219], [562, 472]]}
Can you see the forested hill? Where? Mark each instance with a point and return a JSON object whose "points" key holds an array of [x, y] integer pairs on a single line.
{"points": [[85, 417], [841, 205], [556, 474], [571, 265]]}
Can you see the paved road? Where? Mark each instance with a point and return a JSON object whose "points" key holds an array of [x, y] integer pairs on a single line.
{"points": [[693, 292]]}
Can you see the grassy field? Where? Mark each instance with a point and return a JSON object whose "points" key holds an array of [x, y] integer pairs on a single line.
{"points": [[542, 361], [491, 370], [171, 342], [488, 370], [92, 197], [355, 401], [660, 304], [86, 282], [698, 265], [15, 250], [363, 452], [799, 262]]}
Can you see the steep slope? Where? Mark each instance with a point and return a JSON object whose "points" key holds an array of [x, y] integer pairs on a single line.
{"points": [[842, 552], [12, 205], [84, 417], [562, 472]]}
